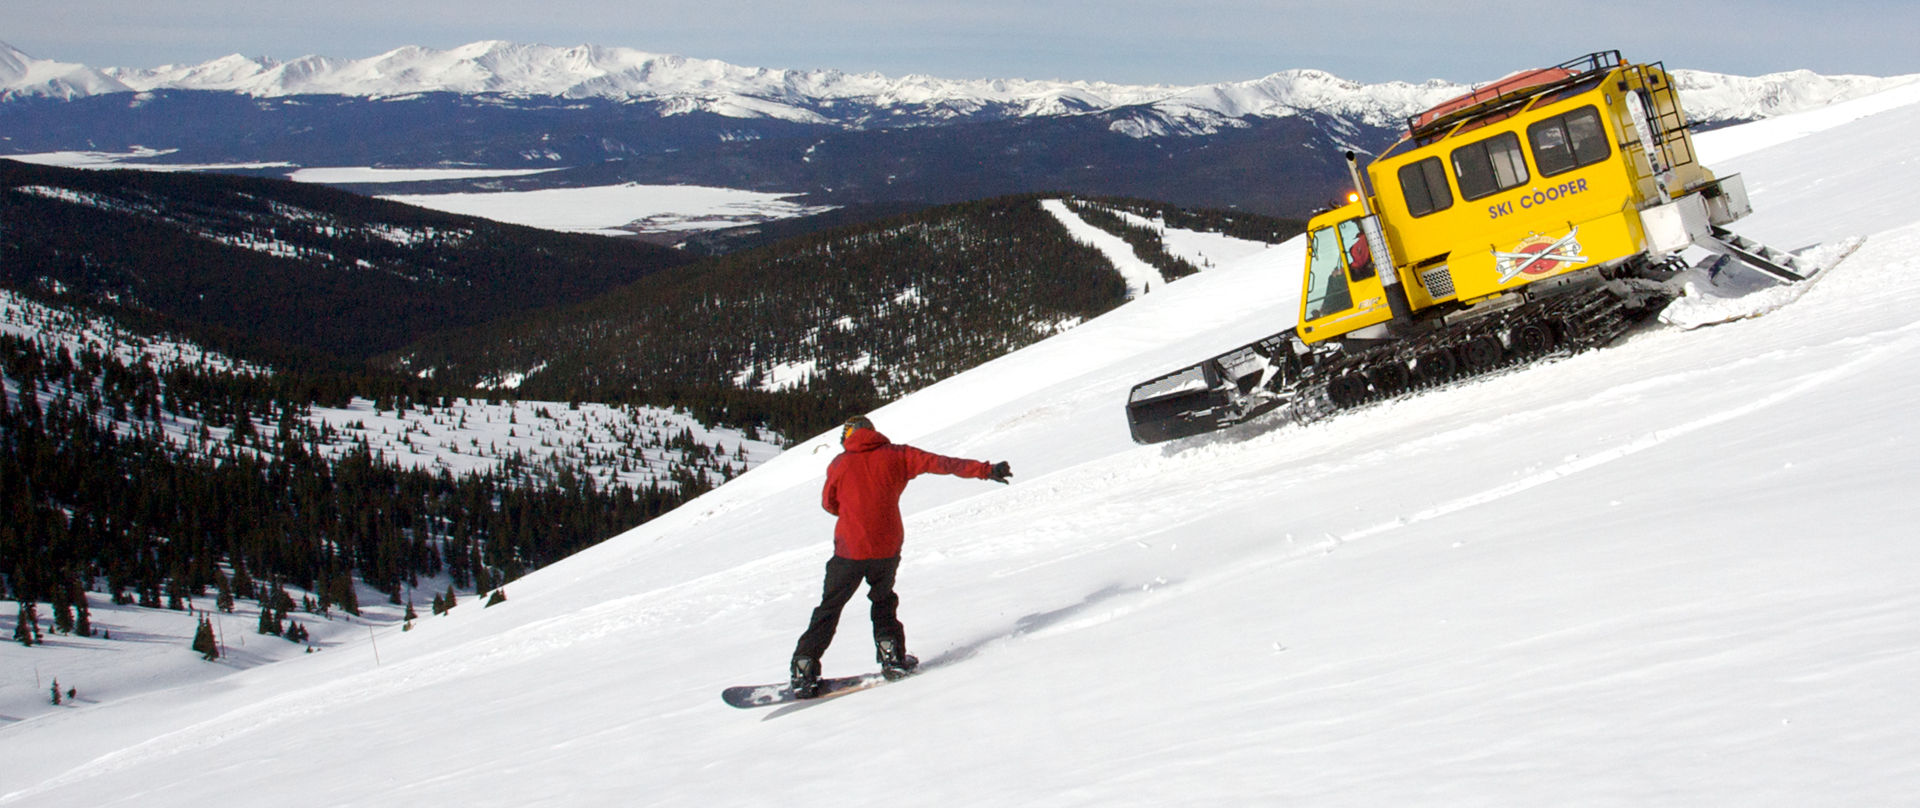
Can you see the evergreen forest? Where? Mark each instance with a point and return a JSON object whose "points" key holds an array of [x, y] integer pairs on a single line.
{"points": [[150, 485], [221, 386]]}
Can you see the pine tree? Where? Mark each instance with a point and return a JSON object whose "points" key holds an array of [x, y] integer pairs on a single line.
{"points": [[439, 606], [56, 692], [62, 613], [499, 595], [26, 629], [82, 617], [223, 587], [204, 642], [343, 594], [242, 582], [450, 600]]}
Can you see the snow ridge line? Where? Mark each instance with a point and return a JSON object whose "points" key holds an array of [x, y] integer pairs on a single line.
{"points": [[1635, 446]]}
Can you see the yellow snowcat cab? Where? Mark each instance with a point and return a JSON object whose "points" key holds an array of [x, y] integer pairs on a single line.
{"points": [[1540, 214]]}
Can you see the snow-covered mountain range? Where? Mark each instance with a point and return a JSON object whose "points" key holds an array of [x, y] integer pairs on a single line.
{"points": [[603, 116], [854, 100]]}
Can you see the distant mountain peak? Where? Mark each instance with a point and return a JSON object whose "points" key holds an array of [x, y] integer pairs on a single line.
{"points": [[23, 75]]}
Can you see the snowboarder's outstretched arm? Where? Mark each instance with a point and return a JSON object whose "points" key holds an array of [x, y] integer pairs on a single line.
{"points": [[920, 461]]}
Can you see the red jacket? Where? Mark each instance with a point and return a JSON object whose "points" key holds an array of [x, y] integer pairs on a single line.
{"points": [[863, 489]]}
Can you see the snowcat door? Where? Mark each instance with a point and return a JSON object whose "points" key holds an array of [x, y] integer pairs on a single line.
{"points": [[1343, 290]]}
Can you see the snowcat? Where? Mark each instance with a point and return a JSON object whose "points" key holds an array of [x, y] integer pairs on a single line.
{"points": [[1537, 216]]}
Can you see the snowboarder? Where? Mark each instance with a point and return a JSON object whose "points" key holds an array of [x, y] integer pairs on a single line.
{"points": [[863, 489]]}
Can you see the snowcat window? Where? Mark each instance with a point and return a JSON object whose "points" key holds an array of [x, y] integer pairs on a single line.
{"points": [[1424, 183], [1566, 142], [1353, 242], [1490, 166], [1326, 284]]}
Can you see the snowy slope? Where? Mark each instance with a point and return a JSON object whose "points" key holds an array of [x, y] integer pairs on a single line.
{"points": [[1140, 275], [1676, 571]]}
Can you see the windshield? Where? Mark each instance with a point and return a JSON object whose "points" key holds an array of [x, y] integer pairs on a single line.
{"points": [[1326, 284]]}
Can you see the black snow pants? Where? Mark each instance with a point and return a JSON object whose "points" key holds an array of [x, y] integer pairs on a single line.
{"points": [[843, 578]]}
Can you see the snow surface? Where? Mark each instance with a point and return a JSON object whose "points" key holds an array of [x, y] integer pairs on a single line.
{"points": [[1677, 571], [140, 158], [57, 327], [1731, 142], [622, 445], [136, 651], [368, 175], [1140, 275], [1199, 248], [619, 209], [135, 158]]}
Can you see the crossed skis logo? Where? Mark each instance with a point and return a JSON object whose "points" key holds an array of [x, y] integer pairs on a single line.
{"points": [[1538, 255]]}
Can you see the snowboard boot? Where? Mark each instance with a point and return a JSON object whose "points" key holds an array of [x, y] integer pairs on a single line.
{"points": [[805, 677], [895, 662]]}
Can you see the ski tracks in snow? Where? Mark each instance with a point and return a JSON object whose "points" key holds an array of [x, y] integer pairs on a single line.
{"points": [[1865, 351], [1909, 339]]}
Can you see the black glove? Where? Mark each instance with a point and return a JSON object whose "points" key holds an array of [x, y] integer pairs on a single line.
{"points": [[1001, 471]]}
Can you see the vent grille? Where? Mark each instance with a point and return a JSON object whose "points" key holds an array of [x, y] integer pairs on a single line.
{"points": [[1439, 282]]}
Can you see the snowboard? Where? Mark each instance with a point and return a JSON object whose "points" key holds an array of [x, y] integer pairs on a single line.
{"points": [[749, 696]]}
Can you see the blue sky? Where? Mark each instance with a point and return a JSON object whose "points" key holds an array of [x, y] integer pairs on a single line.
{"points": [[1126, 41]]}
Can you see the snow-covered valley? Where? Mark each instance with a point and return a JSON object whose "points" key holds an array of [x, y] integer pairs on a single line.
{"points": [[1676, 571]]}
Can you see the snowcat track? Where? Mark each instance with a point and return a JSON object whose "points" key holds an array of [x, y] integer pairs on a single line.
{"points": [[1519, 337], [1266, 376]]}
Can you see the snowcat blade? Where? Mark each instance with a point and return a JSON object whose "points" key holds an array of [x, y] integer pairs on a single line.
{"points": [[1180, 404], [1720, 289], [1781, 265], [1214, 394]]}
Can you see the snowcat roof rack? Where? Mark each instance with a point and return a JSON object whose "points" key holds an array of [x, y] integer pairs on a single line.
{"points": [[1508, 93]]}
